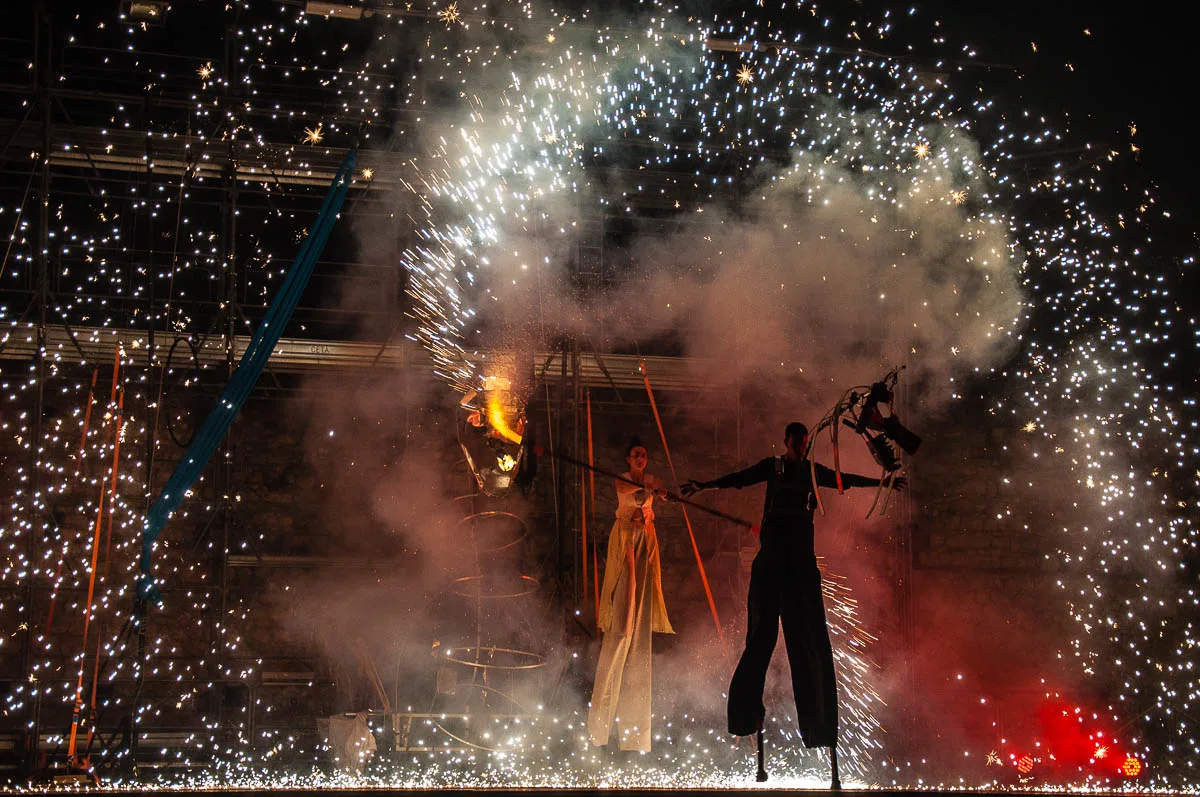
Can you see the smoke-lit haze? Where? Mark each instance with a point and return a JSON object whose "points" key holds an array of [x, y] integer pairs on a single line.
{"points": [[807, 285]]}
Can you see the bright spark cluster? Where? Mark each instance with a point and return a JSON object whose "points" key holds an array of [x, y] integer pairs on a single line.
{"points": [[498, 153]]}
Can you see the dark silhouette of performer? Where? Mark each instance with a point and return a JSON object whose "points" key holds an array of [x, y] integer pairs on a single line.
{"points": [[786, 585]]}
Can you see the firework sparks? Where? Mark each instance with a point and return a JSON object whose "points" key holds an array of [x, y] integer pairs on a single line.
{"points": [[1091, 379], [450, 14], [314, 135]]}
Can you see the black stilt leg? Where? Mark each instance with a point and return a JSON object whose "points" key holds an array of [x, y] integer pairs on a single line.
{"points": [[836, 782], [762, 766]]}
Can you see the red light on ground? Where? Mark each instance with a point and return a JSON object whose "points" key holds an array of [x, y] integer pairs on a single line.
{"points": [[1024, 764], [1131, 767]]}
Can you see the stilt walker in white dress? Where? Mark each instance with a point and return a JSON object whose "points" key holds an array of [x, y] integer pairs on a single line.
{"points": [[631, 610]]}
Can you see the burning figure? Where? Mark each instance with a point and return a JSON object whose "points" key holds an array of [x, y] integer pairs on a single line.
{"points": [[499, 454], [785, 584], [631, 610]]}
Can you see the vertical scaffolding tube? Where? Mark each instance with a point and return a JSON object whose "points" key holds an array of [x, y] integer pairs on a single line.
{"points": [[224, 480], [42, 60]]}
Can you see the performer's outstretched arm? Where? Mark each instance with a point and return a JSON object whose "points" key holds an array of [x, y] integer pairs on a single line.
{"points": [[758, 472], [826, 477]]}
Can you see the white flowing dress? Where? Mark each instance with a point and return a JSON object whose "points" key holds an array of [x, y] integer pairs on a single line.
{"points": [[631, 610]]}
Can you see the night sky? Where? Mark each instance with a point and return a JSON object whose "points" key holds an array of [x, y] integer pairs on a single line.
{"points": [[1133, 64]]}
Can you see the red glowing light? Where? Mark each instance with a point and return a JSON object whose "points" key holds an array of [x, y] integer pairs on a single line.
{"points": [[1131, 767], [1024, 764]]}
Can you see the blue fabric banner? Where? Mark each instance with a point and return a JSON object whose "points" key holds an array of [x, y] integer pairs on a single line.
{"points": [[249, 369]]}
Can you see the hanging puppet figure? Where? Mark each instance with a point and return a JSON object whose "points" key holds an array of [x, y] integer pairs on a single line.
{"points": [[785, 585], [631, 610]]}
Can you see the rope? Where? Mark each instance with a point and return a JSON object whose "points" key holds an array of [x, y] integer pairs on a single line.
{"points": [[837, 456], [162, 373], [112, 502], [87, 417], [554, 472], [712, 605], [62, 558], [87, 609], [886, 481], [583, 540], [592, 481]]}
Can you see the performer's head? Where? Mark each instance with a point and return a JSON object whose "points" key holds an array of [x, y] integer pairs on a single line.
{"points": [[795, 437], [636, 455]]}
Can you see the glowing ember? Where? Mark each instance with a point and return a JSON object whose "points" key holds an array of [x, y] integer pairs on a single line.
{"points": [[313, 135], [450, 14]]}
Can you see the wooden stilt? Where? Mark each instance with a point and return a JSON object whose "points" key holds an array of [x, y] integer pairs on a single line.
{"points": [[836, 782], [762, 765]]}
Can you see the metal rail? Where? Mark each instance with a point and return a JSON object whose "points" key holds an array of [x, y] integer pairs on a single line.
{"points": [[308, 355]]}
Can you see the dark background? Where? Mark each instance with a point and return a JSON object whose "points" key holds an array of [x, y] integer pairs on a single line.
{"points": [[1133, 68]]}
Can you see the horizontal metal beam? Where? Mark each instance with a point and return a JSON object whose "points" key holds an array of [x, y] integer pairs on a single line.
{"points": [[624, 371], [284, 560], [291, 355], [98, 346], [136, 152]]}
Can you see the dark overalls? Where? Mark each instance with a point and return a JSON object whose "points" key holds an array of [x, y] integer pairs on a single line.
{"points": [[785, 585]]}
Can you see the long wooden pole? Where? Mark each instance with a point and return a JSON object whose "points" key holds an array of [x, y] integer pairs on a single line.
{"points": [[671, 496]]}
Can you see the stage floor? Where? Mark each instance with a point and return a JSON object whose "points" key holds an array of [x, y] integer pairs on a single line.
{"points": [[358, 791], [432, 754]]}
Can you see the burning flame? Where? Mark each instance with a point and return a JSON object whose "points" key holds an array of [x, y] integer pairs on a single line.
{"points": [[496, 419]]}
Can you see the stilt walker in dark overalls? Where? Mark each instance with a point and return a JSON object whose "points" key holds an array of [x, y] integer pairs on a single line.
{"points": [[785, 586]]}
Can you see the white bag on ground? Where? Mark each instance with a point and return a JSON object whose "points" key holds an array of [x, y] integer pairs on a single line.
{"points": [[351, 741]]}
